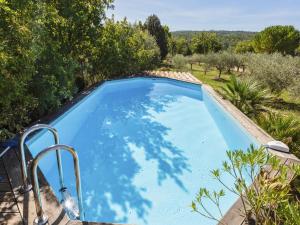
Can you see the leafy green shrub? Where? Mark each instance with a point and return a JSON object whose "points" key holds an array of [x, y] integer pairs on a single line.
{"points": [[268, 200], [205, 42], [16, 68], [244, 47], [275, 71], [283, 128], [246, 95], [179, 61], [49, 51]]}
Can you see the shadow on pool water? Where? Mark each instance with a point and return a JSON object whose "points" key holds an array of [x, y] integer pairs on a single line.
{"points": [[109, 164]]}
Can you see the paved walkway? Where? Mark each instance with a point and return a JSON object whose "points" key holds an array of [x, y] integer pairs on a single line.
{"points": [[9, 211], [182, 76]]}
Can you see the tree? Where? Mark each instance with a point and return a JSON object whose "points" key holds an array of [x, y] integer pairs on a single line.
{"points": [[231, 61], [207, 61], [205, 42], [50, 49], [275, 71], [244, 47], [155, 28], [124, 49], [16, 66], [219, 60], [179, 61], [297, 51], [283, 39], [182, 46], [193, 59]]}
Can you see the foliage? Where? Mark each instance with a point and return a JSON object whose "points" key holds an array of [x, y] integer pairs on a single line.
{"points": [[246, 95], [267, 200], [283, 128], [193, 59], [16, 67], [205, 42], [231, 60], [155, 28], [297, 51], [50, 50], [124, 49], [206, 62], [283, 39], [179, 61], [244, 46], [182, 46], [219, 60], [241, 61], [228, 39], [274, 71]]}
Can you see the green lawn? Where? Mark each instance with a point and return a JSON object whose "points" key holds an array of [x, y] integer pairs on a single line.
{"points": [[210, 77], [285, 104]]}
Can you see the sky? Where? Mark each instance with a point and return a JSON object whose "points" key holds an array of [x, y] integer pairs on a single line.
{"points": [[250, 15]]}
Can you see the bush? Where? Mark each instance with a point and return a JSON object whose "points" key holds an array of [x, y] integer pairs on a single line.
{"points": [[283, 39], [275, 71], [244, 47], [247, 95], [283, 128], [268, 200], [46, 57], [179, 61]]}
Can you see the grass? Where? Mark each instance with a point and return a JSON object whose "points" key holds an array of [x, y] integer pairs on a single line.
{"points": [[210, 77], [284, 104]]}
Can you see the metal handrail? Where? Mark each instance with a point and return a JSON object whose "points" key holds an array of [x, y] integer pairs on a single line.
{"points": [[41, 217], [26, 184], [4, 151]]}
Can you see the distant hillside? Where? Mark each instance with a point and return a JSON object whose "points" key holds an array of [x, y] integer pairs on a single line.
{"points": [[228, 38]]}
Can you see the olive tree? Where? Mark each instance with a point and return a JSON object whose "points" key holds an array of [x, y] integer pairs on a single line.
{"points": [[179, 61], [219, 60], [207, 62], [274, 71], [193, 59]]}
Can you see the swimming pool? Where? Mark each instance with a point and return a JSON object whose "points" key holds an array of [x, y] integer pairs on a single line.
{"points": [[145, 147]]}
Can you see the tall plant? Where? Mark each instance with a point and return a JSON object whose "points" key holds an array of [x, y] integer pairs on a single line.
{"points": [[246, 95], [267, 201], [283, 128]]}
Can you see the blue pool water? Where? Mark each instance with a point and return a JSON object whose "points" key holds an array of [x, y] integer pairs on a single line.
{"points": [[145, 147]]}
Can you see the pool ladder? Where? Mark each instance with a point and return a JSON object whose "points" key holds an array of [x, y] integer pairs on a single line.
{"points": [[41, 216]]}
